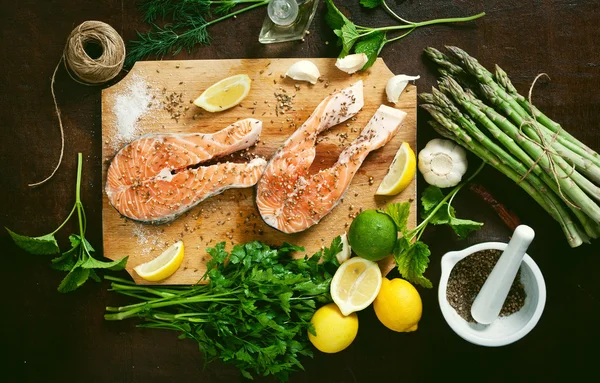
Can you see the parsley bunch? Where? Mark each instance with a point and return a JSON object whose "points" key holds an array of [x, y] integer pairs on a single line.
{"points": [[359, 39], [255, 311], [78, 260], [412, 255]]}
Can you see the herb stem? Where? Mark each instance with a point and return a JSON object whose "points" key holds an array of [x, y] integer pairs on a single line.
{"points": [[419, 24], [401, 36], [389, 10], [421, 228], [209, 23]]}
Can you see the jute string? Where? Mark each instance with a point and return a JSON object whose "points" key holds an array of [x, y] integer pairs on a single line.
{"points": [[86, 70], [545, 145]]}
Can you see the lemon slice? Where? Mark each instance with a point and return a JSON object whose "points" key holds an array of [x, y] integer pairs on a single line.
{"points": [[401, 172], [355, 284], [224, 94], [162, 266]]}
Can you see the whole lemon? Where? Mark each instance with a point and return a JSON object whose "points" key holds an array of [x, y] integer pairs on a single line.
{"points": [[398, 305], [334, 331]]}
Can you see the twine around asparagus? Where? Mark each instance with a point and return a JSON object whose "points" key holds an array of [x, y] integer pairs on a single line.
{"points": [[86, 70], [545, 146]]}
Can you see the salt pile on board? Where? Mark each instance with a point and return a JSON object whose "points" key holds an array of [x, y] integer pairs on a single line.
{"points": [[149, 239], [129, 107]]}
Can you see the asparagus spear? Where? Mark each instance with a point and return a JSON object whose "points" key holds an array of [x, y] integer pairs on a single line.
{"points": [[485, 77], [574, 235], [520, 168], [572, 190], [585, 166], [504, 81]]}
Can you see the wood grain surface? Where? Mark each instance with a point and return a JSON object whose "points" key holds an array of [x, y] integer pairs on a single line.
{"points": [[232, 217], [52, 337]]}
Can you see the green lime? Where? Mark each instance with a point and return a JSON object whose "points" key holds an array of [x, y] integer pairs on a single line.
{"points": [[372, 235]]}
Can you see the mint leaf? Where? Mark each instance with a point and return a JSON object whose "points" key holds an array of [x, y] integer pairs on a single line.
{"points": [[44, 245], [399, 213], [74, 279], [371, 3], [371, 45], [431, 197], [334, 18], [66, 261], [463, 227], [92, 263], [442, 216], [349, 36], [413, 262]]}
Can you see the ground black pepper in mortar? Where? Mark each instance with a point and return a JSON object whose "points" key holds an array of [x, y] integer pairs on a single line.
{"points": [[467, 278]]}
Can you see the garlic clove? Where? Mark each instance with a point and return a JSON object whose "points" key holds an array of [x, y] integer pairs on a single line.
{"points": [[304, 70], [396, 85], [352, 63]]}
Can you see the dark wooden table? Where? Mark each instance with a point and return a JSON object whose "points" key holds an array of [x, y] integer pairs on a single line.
{"points": [[51, 337]]}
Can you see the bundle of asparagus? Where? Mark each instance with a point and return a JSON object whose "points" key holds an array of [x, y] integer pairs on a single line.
{"points": [[558, 171]]}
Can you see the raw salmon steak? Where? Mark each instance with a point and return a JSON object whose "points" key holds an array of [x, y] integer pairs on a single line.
{"points": [[292, 200], [157, 177]]}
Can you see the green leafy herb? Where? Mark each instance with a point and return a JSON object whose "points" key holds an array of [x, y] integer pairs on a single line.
{"points": [[184, 25], [368, 40], [77, 261], [371, 3], [412, 255], [255, 311]]}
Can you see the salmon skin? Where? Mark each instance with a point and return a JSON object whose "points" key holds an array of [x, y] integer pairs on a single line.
{"points": [[157, 177], [292, 200]]}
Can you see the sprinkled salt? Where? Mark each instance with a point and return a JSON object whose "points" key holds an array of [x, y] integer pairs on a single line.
{"points": [[129, 107], [148, 238]]}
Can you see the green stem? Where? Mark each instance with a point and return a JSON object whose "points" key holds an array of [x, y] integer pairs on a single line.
{"points": [[401, 36], [65, 221], [422, 23], [389, 10], [421, 228], [227, 16]]}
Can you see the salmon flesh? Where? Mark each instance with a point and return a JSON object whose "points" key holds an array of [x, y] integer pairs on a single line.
{"points": [[292, 200], [157, 177]]}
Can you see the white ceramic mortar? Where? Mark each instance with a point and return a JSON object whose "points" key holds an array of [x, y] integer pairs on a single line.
{"points": [[504, 330]]}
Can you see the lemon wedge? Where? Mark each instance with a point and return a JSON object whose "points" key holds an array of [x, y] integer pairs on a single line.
{"points": [[162, 266], [401, 172], [224, 94], [355, 285]]}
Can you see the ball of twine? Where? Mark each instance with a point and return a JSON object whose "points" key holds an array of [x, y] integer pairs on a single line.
{"points": [[94, 70], [87, 70]]}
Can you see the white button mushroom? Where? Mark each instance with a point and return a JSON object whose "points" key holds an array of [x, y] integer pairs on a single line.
{"points": [[395, 86], [352, 63], [304, 70], [442, 163]]}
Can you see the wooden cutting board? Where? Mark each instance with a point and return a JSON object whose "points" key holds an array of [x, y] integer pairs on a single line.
{"points": [[156, 97]]}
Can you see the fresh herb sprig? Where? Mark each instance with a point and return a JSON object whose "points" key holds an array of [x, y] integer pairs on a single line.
{"points": [[255, 311], [78, 260], [412, 255], [370, 41], [185, 25]]}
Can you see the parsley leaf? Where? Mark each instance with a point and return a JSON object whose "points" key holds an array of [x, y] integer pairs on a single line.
{"points": [[255, 311], [371, 3]]}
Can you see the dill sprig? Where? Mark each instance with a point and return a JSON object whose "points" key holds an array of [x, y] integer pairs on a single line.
{"points": [[184, 25]]}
